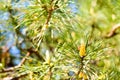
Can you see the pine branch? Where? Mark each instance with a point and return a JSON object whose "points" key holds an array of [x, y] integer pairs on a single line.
{"points": [[15, 67], [24, 59], [49, 13], [113, 31], [16, 77], [81, 67]]}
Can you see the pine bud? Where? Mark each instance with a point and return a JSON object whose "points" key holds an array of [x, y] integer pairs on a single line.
{"points": [[83, 76], [47, 57], [82, 50]]}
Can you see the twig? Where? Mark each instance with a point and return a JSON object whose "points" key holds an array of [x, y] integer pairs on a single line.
{"points": [[50, 72], [20, 76], [9, 69], [15, 67], [24, 59], [31, 50], [16, 77], [113, 31], [50, 10], [49, 13], [80, 67]]}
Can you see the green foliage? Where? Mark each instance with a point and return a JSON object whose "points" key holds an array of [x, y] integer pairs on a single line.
{"points": [[54, 34]]}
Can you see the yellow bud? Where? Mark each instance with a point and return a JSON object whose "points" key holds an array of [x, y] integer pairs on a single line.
{"points": [[83, 76], [82, 50]]}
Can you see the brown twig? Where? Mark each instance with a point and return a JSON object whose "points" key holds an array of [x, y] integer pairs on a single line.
{"points": [[24, 59], [15, 67], [50, 10], [9, 69], [113, 31], [20, 76], [81, 67], [31, 50], [15, 78]]}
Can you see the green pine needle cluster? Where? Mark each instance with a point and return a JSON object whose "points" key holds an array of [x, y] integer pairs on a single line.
{"points": [[54, 31]]}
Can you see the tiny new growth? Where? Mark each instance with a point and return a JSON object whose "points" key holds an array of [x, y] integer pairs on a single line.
{"points": [[82, 51], [47, 57], [82, 75]]}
